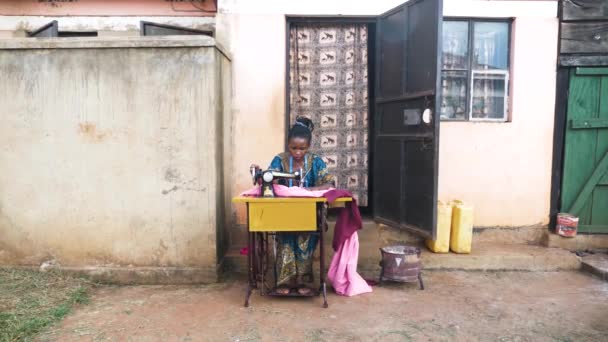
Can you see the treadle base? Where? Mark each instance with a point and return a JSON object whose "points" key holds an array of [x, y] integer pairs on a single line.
{"points": [[293, 293]]}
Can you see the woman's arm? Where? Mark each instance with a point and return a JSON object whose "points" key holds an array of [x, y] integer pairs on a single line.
{"points": [[323, 178]]}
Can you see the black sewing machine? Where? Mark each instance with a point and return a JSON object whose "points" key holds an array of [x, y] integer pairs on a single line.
{"points": [[266, 179]]}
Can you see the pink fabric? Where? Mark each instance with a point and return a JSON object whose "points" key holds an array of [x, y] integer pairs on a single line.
{"points": [[342, 272], [349, 218], [285, 191]]}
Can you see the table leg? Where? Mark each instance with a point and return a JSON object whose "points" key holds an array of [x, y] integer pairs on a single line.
{"points": [[247, 295], [254, 260], [322, 260], [325, 305], [249, 269], [262, 256]]}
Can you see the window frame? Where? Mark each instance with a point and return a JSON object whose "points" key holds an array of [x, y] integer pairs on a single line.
{"points": [[501, 72], [469, 71]]}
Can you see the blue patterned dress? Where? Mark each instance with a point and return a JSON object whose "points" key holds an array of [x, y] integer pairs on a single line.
{"points": [[295, 250]]}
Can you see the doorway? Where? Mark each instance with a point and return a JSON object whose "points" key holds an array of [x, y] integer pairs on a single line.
{"points": [[395, 170], [329, 68]]}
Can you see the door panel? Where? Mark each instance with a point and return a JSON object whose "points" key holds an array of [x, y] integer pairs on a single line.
{"points": [[392, 43], [405, 140], [599, 206], [584, 184], [422, 46], [387, 180], [420, 198], [404, 118]]}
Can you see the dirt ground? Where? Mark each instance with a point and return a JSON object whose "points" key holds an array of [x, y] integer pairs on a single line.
{"points": [[455, 306]]}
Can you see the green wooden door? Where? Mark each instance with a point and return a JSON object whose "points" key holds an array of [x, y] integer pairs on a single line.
{"points": [[585, 180]]}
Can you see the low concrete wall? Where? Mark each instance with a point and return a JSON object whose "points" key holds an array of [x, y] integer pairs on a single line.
{"points": [[113, 154]]}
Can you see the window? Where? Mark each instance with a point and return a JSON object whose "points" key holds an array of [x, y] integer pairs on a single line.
{"points": [[475, 70]]}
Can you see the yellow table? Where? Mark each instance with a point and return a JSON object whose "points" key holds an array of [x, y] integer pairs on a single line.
{"points": [[271, 215]]}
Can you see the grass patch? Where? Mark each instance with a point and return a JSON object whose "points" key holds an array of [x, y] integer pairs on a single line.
{"points": [[30, 301]]}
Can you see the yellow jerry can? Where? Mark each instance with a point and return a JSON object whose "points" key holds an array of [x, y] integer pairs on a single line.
{"points": [[462, 227], [444, 221]]}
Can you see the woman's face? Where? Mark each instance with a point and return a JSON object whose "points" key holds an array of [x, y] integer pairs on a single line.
{"points": [[298, 147]]}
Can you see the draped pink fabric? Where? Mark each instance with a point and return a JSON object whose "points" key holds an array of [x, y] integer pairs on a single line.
{"points": [[342, 272]]}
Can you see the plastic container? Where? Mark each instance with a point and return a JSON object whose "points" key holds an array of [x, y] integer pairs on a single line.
{"points": [[461, 236], [444, 223], [567, 225]]}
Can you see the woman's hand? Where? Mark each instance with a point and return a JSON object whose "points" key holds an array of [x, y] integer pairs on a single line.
{"points": [[254, 166]]}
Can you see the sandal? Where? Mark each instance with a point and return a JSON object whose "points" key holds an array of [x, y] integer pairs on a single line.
{"points": [[282, 290], [303, 290]]}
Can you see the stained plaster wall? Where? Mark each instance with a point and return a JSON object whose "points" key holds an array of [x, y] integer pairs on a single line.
{"points": [[112, 155]]}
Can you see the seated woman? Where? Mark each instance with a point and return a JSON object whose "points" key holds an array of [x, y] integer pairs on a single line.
{"points": [[295, 250]]}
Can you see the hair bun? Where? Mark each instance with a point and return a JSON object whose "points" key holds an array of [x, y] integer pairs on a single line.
{"points": [[306, 122]]}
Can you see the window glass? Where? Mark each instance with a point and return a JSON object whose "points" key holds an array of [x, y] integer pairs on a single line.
{"points": [[490, 45], [454, 95], [455, 45], [489, 96]]}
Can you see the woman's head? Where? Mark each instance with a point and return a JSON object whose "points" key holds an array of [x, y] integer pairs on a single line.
{"points": [[300, 135]]}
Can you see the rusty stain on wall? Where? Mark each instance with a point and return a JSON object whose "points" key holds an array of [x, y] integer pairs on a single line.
{"points": [[89, 131]]}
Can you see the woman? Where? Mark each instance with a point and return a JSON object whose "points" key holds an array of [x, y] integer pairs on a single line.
{"points": [[295, 250]]}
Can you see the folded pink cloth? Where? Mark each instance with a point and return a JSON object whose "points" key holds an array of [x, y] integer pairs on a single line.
{"points": [[285, 191], [342, 272]]}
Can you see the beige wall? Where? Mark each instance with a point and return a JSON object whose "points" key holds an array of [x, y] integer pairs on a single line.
{"points": [[503, 168], [110, 152]]}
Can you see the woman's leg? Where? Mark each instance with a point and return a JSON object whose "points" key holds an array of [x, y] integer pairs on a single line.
{"points": [[286, 262], [306, 245]]}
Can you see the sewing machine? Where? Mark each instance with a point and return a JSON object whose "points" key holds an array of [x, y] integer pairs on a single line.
{"points": [[267, 178], [268, 216]]}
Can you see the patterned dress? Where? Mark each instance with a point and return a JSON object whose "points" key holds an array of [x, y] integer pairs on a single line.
{"points": [[295, 250]]}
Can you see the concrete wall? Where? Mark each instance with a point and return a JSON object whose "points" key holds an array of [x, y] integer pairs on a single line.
{"points": [[112, 154], [18, 26], [503, 168], [106, 8]]}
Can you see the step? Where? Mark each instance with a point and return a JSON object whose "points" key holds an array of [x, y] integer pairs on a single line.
{"points": [[505, 257], [484, 257], [580, 242], [596, 264]]}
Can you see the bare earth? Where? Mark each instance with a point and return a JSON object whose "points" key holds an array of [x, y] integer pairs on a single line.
{"points": [[456, 306]]}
